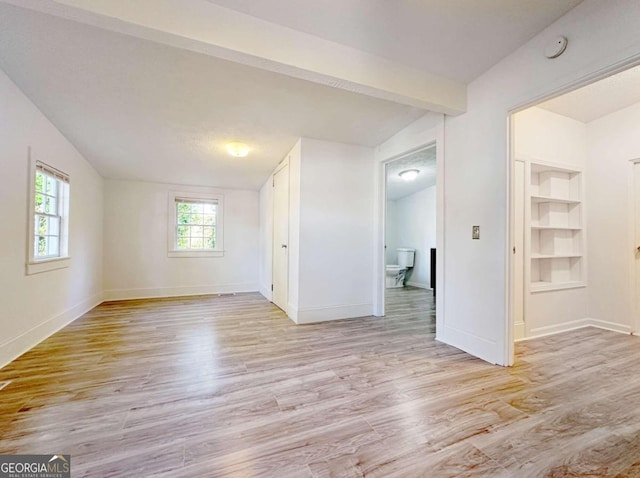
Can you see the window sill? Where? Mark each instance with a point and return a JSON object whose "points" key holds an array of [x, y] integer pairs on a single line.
{"points": [[198, 254], [47, 265]]}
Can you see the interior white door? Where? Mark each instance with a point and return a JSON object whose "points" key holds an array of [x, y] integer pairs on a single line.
{"points": [[636, 172], [280, 285], [518, 257]]}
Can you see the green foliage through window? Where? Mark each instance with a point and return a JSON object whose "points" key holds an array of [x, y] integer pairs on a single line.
{"points": [[47, 216], [196, 226]]}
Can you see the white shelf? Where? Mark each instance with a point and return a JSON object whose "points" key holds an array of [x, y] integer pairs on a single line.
{"points": [[555, 228], [542, 199], [551, 168], [554, 256], [548, 286], [556, 237]]}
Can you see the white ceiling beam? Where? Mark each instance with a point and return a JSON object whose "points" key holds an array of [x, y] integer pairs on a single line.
{"points": [[201, 26]]}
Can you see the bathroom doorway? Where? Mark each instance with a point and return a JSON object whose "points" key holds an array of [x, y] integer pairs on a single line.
{"points": [[410, 234]]}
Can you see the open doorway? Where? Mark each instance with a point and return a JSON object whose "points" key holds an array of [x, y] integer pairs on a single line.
{"points": [[410, 233], [575, 200]]}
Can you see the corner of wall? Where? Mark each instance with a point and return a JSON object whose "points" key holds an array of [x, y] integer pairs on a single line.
{"points": [[470, 343], [292, 312], [266, 292], [181, 291], [17, 346], [312, 315]]}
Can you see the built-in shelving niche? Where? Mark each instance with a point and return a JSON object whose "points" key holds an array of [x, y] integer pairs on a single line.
{"points": [[556, 227]]}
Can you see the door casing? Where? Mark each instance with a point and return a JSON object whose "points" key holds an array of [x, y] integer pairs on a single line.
{"points": [[280, 244]]}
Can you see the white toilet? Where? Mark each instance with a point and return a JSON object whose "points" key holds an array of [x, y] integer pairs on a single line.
{"points": [[396, 273]]}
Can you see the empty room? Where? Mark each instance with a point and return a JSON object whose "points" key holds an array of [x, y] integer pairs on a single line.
{"points": [[357, 238]]}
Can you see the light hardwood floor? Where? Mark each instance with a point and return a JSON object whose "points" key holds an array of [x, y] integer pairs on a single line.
{"points": [[228, 386]]}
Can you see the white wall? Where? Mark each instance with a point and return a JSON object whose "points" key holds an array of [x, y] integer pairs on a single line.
{"points": [[613, 141], [416, 229], [35, 306], [547, 136], [550, 137], [330, 230], [135, 254], [336, 231], [602, 36]]}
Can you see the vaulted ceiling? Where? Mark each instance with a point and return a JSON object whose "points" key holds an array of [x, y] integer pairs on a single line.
{"points": [[152, 90], [141, 110]]}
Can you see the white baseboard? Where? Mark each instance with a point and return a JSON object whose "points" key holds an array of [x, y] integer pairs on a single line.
{"points": [[154, 293], [420, 285], [470, 343], [13, 348], [312, 315], [612, 326], [557, 329], [575, 325]]}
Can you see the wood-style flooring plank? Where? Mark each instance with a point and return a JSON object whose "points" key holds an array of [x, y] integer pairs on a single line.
{"points": [[229, 387]]}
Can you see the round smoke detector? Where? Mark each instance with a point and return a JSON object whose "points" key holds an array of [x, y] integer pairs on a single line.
{"points": [[556, 48]]}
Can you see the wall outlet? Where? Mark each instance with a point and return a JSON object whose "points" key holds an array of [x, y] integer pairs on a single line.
{"points": [[475, 232]]}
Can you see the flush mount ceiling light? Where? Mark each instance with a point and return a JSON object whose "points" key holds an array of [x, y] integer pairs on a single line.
{"points": [[409, 174], [239, 150]]}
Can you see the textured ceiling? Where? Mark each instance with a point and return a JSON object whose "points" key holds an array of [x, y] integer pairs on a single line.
{"points": [[424, 161], [600, 98], [141, 110], [458, 39]]}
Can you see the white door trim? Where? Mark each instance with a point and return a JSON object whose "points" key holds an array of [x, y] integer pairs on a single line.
{"points": [[520, 263], [383, 219], [634, 197], [284, 306], [379, 260]]}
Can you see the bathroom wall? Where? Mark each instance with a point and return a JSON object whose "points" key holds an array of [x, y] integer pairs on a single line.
{"points": [[416, 229], [411, 223]]}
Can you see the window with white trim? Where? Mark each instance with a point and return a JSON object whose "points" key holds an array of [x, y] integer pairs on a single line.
{"points": [[195, 225], [49, 222]]}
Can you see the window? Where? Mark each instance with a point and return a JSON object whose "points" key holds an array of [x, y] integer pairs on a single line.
{"points": [[49, 221], [195, 225]]}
